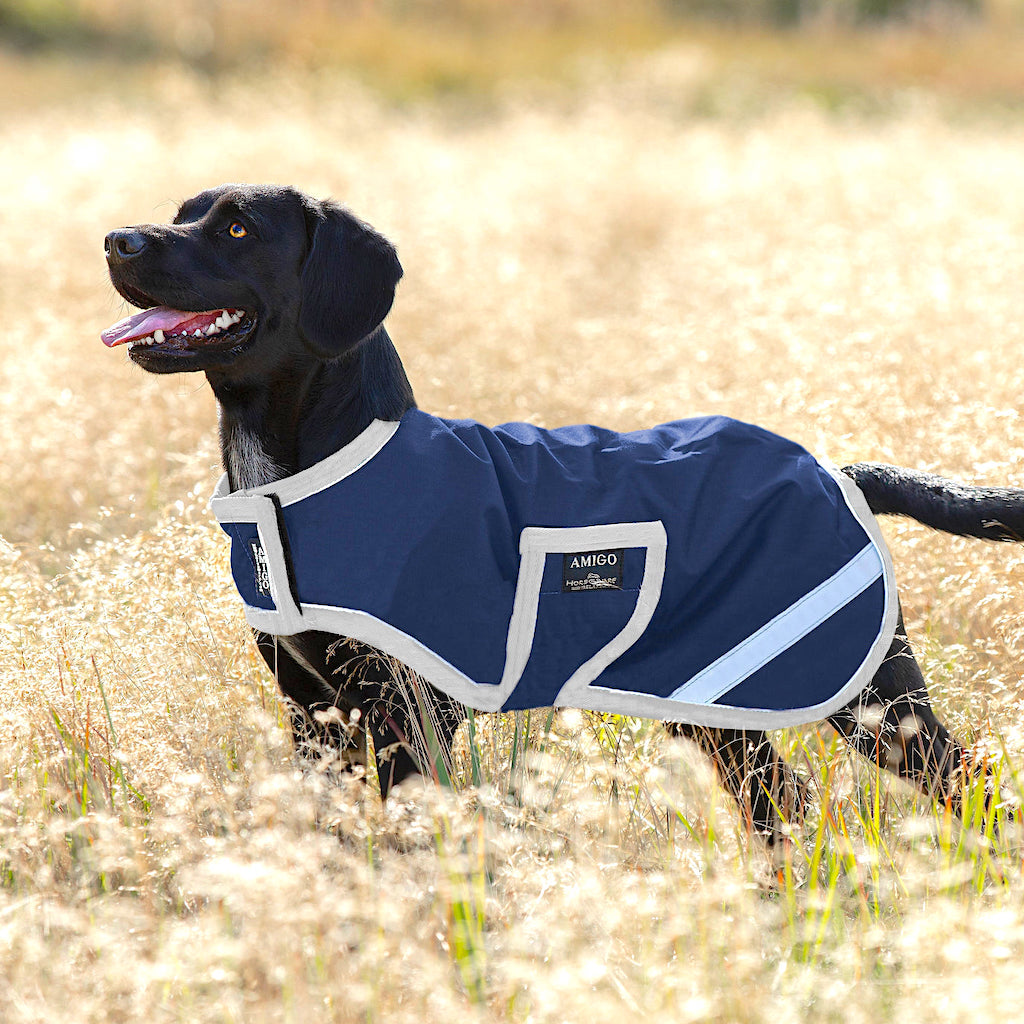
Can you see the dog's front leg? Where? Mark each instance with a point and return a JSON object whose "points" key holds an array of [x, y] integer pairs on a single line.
{"points": [[340, 690], [322, 719], [412, 723]]}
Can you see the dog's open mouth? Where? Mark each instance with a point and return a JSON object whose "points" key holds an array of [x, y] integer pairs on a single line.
{"points": [[166, 329]]}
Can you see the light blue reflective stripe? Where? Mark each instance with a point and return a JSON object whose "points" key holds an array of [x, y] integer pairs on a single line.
{"points": [[784, 630]]}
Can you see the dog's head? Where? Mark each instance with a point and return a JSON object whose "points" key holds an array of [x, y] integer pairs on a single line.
{"points": [[244, 273]]}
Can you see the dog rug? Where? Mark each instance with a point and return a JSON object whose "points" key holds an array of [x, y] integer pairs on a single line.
{"points": [[704, 571]]}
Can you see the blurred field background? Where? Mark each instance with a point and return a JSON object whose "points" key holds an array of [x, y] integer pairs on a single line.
{"points": [[806, 215]]}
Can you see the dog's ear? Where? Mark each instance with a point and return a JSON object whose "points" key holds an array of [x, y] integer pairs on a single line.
{"points": [[348, 280]]}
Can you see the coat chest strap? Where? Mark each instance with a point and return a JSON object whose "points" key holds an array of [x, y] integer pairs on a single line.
{"points": [[272, 561]]}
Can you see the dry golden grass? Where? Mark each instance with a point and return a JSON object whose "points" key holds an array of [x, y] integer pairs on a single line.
{"points": [[852, 284]]}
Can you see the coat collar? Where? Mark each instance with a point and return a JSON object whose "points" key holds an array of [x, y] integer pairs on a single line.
{"points": [[338, 465]]}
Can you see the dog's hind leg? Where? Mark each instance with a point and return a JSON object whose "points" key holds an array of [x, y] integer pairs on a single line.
{"points": [[892, 722], [765, 787]]}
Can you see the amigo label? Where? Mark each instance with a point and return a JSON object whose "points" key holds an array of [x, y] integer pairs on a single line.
{"points": [[592, 570], [260, 568]]}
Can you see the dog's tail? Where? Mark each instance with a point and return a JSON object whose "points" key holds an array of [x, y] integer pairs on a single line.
{"points": [[992, 513]]}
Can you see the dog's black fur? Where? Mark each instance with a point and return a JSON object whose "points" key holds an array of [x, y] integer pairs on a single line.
{"points": [[310, 366]]}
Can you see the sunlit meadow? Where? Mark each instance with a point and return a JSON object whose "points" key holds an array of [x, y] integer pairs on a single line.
{"points": [[650, 244]]}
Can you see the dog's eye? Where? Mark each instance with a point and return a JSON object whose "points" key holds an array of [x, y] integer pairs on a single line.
{"points": [[237, 229]]}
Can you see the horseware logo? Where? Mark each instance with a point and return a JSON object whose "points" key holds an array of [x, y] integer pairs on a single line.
{"points": [[578, 570]]}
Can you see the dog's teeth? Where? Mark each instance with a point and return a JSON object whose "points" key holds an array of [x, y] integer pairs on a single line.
{"points": [[158, 336], [197, 333], [212, 329]]}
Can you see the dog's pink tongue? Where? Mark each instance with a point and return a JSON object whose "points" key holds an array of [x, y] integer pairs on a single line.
{"points": [[139, 325]]}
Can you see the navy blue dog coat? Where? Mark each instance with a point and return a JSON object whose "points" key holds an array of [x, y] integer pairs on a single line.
{"points": [[704, 571]]}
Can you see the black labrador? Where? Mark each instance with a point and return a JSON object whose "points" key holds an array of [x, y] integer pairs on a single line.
{"points": [[279, 299]]}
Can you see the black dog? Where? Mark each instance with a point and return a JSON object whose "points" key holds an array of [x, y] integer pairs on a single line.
{"points": [[288, 296]]}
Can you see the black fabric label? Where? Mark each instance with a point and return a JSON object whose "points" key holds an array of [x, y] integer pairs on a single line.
{"points": [[260, 568], [592, 570]]}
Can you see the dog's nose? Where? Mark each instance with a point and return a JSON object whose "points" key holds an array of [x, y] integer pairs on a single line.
{"points": [[120, 246]]}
